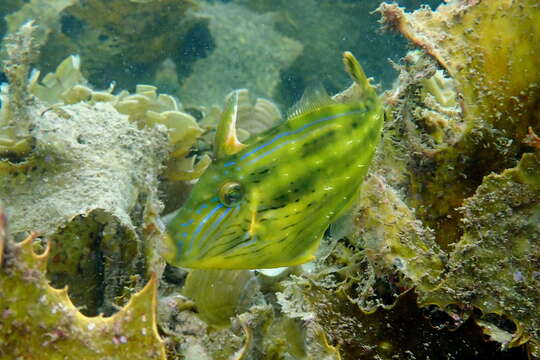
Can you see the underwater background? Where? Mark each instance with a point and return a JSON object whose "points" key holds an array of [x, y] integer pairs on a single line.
{"points": [[109, 111]]}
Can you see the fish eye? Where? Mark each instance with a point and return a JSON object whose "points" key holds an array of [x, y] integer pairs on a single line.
{"points": [[230, 193]]}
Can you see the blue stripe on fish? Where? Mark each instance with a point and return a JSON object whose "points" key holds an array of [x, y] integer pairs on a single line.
{"points": [[201, 224], [206, 242], [287, 133], [204, 239]]}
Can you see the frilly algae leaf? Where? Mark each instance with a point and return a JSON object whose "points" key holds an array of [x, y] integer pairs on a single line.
{"points": [[389, 229], [38, 319], [475, 41], [469, 49], [461, 111], [500, 250], [55, 87], [400, 331]]}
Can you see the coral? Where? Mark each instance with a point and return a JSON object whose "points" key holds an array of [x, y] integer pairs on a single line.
{"points": [[236, 30], [39, 321]]}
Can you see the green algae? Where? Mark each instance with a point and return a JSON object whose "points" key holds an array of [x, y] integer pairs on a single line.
{"points": [[37, 318], [499, 249], [496, 107]]}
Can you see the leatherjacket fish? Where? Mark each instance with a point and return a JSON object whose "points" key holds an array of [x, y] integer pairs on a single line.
{"points": [[268, 202]]}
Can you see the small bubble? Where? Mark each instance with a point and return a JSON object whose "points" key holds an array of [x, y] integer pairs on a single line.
{"points": [[398, 262]]}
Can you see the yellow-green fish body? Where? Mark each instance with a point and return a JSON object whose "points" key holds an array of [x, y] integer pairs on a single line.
{"points": [[267, 203]]}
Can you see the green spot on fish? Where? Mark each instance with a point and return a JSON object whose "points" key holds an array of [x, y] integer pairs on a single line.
{"points": [[267, 203]]}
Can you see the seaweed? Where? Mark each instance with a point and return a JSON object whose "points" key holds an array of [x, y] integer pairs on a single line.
{"points": [[39, 319], [439, 254]]}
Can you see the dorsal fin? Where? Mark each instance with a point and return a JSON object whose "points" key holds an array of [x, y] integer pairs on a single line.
{"points": [[226, 141], [314, 98], [353, 67]]}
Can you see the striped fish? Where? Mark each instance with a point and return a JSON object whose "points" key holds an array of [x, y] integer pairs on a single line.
{"points": [[267, 203]]}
